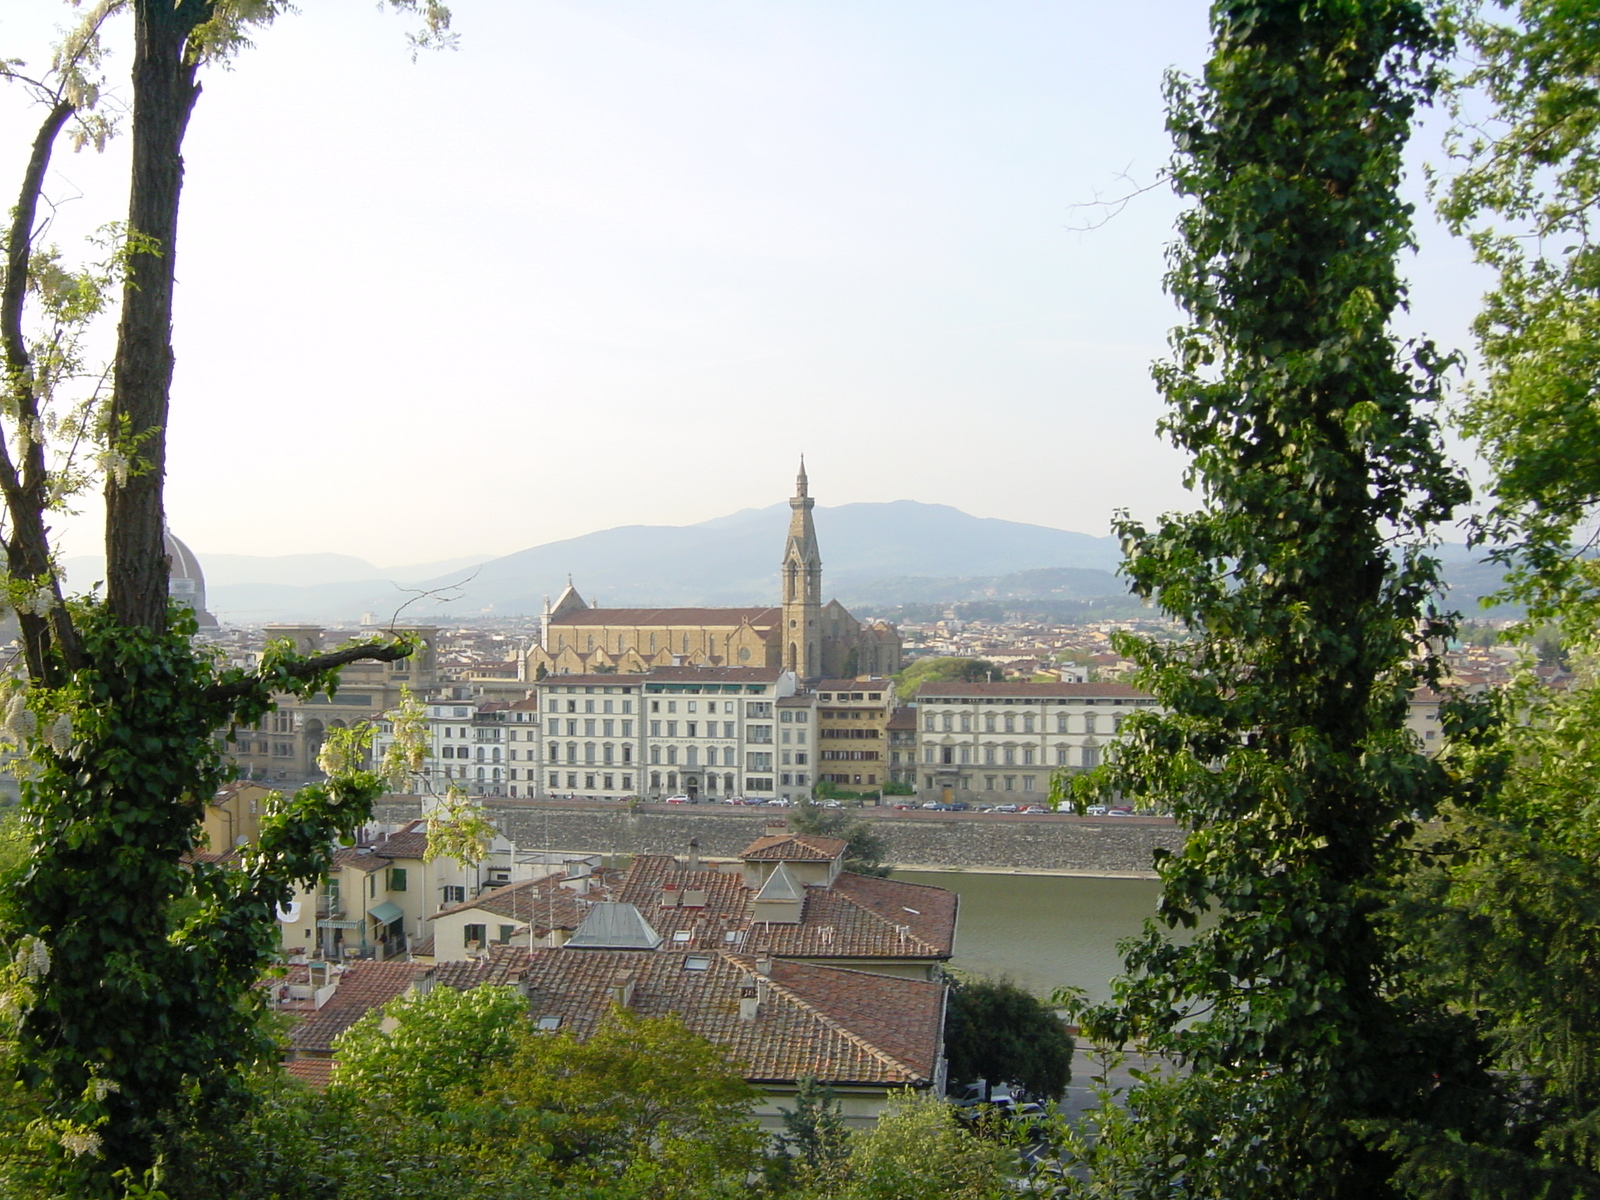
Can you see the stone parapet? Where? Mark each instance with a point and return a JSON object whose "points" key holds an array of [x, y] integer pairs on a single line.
{"points": [[1057, 845]]}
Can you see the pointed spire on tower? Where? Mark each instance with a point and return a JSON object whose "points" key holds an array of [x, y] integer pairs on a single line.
{"points": [[800, 480]]}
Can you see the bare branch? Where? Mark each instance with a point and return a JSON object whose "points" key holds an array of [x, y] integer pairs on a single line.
{"points": [[1109, 210]]}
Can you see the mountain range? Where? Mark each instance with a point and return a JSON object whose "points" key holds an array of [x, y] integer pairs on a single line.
{"points": [[874, 555]]}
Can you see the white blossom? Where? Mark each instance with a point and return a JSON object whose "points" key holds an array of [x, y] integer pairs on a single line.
{"points": [[81, 1142], [61, 734], [34, 958], [20, 720]]}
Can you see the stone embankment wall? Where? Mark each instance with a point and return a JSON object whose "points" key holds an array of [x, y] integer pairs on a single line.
{"points": [[1060, 845]]}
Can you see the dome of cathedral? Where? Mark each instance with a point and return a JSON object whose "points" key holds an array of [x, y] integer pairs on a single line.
{"points": [[186, 581]]}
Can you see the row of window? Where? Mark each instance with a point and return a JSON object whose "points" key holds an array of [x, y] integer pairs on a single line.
{"points": [[606, 752], [1008, 723], [691, 756], [571, 706], [594, 728], [1010, 756], [605, 781], [994, 783]]}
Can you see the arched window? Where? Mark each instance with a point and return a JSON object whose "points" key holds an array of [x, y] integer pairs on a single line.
{"points": [[591, 641], [686, 643], [480, 774]]}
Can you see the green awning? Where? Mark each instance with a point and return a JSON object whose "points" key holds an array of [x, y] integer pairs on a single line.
{"points": [[386, 913]]}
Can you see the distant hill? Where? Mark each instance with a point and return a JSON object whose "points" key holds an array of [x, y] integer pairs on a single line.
{"points": [[876, 556]]}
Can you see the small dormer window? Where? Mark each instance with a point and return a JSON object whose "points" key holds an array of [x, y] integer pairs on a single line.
{"points": [[550, 1024], [697, 962]]}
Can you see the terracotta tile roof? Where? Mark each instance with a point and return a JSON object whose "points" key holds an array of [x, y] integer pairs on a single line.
{"points": [[313, 1072], [904, 718], [714, 674], [588, 680], [929, 911], [689, 617], [542, 901], [410, 841], [839, 1026], [1114, 691], [362, 987], [362, 860], [795, 847], [857, 918], [504, 965]]}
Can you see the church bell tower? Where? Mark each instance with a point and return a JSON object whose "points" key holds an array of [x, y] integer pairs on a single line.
{"points": [[802, 587]]}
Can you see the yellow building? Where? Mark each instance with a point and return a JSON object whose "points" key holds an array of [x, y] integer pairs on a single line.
{"points": [[800, 634], [853, 718]]}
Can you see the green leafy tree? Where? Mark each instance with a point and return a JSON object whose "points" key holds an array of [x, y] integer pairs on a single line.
{"points": [[1527, 193], [118, 719], [867, 847], [637, 1090], [1305, 583], [919, 1150], [1003, 1033], [944, 670], [415, 1051], [815, 1144]]}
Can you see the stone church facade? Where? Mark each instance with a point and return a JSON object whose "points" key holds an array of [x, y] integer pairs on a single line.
{"points": [[801, 634]]}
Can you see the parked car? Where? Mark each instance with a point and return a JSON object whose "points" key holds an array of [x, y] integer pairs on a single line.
{"points": [[1006, 808], [959, 806], [1119, 812], [831, 804], [1096, 810], [1035, 809], [780, 802], [677, 799], [931, 804], [902, 808]]}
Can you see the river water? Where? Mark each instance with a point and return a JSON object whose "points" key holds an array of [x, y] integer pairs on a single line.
{"points": [[1044, 931]]}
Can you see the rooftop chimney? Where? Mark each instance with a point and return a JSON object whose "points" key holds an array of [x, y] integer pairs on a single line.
{"points": [[749, 1003], [694, 854], [764, 966], [622, 985]]}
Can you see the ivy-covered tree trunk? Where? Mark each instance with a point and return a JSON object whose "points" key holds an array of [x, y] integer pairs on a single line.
{"points": [[133, 993], [1304, 581]]}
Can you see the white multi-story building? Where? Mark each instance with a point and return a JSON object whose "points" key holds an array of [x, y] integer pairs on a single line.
{"points": [[1002, 741], [592, 740], [711, 732], [485, 748]]}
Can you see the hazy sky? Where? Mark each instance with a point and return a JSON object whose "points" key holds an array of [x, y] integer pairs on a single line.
{"points": [[620, 261]]}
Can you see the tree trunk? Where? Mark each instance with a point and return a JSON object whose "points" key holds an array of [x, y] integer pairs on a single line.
{"points": [[164, 92]]}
